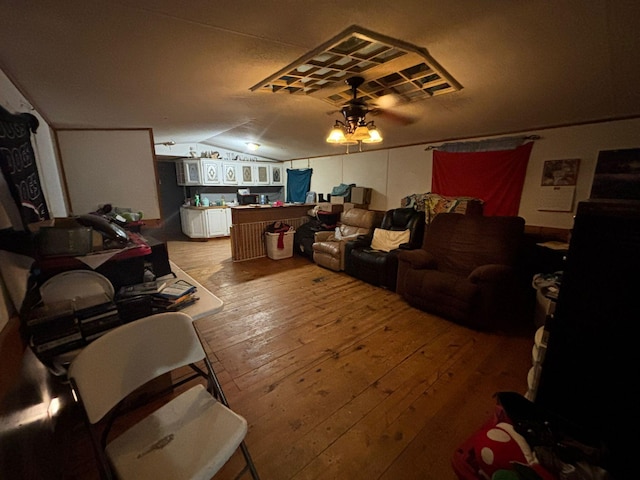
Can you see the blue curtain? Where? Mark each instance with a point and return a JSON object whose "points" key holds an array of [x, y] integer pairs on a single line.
{"points": [[298, 184]]}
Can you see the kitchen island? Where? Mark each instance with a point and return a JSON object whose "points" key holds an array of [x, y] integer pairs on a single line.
{"points": [[248, 224], [205, 222]]}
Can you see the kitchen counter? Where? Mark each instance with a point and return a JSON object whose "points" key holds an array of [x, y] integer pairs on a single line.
{"points": [[248, 224], [193, 207], [205, 222]]}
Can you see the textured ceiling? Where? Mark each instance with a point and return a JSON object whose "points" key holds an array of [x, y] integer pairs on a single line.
{"points": [[187, 68]]}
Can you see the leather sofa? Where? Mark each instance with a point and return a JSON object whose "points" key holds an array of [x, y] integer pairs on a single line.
{"points": [[377, 266], [467, 271], [328, 247]]}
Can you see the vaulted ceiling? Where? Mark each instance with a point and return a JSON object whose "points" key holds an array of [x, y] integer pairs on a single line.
{"points": [[188, 69]]}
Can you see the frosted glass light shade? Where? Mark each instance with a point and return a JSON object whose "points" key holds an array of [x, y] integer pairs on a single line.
{"points": [[349, 140], [336, 135], [361, 133], [374, 136]]}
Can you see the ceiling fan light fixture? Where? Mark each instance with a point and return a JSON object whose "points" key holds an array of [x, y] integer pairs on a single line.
{"points": [[355, 129], [349, 140], [336, 135], [374, 135], [361, 133]]}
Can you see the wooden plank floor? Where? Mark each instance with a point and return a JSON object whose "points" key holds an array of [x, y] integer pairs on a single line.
{"points": [[339, 379]]}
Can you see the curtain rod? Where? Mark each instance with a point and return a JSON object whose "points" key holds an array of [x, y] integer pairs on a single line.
{"points": [[528, 137]]}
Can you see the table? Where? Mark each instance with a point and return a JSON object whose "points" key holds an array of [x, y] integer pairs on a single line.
{"points": [[208, 304]]}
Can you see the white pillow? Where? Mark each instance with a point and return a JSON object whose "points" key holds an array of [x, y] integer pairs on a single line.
{"points": [[338, 235], [387, 240]]}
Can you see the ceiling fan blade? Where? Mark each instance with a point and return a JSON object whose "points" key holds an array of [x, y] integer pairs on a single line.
{"points": [[389, 100], [395, 117]]}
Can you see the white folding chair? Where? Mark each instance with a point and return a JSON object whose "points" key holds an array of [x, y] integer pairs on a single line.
{"points": [[190, 437]]}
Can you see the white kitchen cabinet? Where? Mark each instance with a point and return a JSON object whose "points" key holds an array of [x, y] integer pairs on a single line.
{"points": [[205, 222], [180, 172], [188, 172], [211, 172], [261, 174], [277, 174], [194, 222], [208, 171], [192, 172], [246, 174], [230, 174], [216, 222]]}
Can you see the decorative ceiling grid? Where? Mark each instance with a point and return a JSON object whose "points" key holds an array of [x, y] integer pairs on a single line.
{"points": [[389, 66]]}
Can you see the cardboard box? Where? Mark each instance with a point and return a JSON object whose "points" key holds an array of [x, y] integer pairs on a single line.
{"points": [[337, 200], [360, 195], [63, 237], [330, 207]]}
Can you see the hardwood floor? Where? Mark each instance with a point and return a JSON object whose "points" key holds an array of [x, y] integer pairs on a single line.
{"points": [[338, 379]]}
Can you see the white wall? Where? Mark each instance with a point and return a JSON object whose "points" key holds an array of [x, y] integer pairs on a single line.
{"points": [[582, 142], [396, 173], [110, 166]]}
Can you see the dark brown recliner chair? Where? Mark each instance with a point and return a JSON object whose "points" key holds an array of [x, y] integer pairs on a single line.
{"points": [[379, 267], [467, 271]]}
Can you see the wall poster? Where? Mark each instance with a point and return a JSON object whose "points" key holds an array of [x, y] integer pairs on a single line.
{"points": [[558, 185]]}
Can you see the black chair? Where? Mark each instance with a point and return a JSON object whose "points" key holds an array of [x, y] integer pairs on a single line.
{"points": [[379, 267]]}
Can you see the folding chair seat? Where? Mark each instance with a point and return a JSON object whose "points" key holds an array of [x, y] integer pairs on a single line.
{"points": [[190, 437]]}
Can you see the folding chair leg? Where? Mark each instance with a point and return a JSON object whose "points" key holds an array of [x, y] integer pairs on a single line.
{"points": [[219, 394], [217, 388], [250, 465]]}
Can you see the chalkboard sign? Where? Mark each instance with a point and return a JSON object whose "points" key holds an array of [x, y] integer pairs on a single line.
{"points": [[18, 164]]}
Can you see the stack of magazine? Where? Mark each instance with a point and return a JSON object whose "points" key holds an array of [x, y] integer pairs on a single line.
{"points": [[167, 295]]}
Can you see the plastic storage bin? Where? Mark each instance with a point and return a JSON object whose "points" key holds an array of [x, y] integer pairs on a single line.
{"points": [[273, 251]]}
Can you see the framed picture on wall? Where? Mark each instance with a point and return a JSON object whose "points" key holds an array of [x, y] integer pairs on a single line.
{"points": [[230, 174], [617, 174], [558, 185], [560, 172], [276, 174]]}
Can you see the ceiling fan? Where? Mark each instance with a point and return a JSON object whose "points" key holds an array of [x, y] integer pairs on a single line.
{"points": [[357, 107], [355, 128]]}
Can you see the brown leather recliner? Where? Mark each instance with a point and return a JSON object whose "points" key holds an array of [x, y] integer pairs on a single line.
{"points": [[467, 271], [328, 247]]}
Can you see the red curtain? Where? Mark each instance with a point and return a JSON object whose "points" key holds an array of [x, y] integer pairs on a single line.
{"points": [[497, 177]]}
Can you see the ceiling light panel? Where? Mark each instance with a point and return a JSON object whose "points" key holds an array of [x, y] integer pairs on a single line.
{"points": [[389, 66]]}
